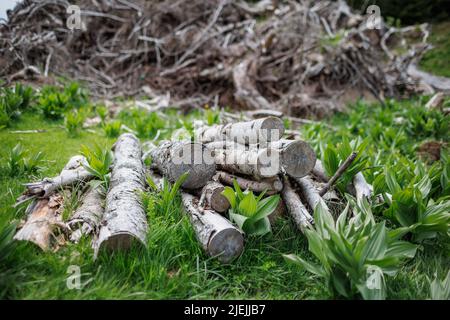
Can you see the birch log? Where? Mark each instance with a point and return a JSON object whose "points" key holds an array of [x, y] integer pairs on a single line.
{"points": [[212, 196], [270, 185], [293, 157], [73, 173], [295, 207], [218, 237], [86, 219], [173, 159], [124, 220], [42, 221], [310, 192], [248, 132]]}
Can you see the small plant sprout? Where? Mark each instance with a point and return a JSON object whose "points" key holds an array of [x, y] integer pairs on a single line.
{"points": [[99, 162], [113, 129], [20, 163]]}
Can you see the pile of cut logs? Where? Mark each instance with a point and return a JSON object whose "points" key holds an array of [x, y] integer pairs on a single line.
{"points": [[252, 153]]}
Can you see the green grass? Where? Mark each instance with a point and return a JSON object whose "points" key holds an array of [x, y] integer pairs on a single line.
{"points": [[437, 59], [174, 266]]}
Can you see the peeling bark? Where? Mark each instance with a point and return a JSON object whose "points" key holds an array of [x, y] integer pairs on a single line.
{"points": [[212, 196], [218, 237], [42, 222], [173, 159], [270, 185], [86, 219], [248, 132], [73, 173], [124, 220], [295, 207]]}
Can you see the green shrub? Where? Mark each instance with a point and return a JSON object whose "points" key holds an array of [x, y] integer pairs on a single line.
{"points": [[112, 129], [354, 253], [74, 121], [13, 102], [19, 162], [249, 212]]}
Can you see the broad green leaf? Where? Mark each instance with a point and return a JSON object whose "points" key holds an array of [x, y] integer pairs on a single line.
{"points": [[238, 219], [310, 267], [247, 206], [266, 206], [230, 195]]}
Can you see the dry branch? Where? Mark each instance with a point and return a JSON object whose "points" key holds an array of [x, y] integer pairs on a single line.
{"points": [[87, 217], [338, 173], [73, 173], [269, 185], [295, 207]]}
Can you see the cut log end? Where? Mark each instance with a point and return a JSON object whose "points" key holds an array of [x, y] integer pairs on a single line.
{"points": [[298, 159], [271, 129], [226, 244]]}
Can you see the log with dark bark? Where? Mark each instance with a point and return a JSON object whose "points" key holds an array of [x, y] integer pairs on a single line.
{"points": [[248, 132], [124, 221], [269, 185], [295, 207], [212, 196], [43, 220], [73, 173], [87, 217], [218, 237], [173, 159]]}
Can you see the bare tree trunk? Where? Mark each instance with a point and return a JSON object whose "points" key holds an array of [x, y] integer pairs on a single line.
{"points": [[218, 237], [295, 207], [73, 173], [248, 132], [173, 159], [270, 185], [86, 219], [125, 219], [42, 221]]}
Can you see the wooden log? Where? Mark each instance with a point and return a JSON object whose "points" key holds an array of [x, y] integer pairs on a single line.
{"points": [[87, 217], [218, 237], [295, 207], [43, 218], [293, 157], [319, 171], [269, 185], [124, 220], [247, 132], [309, 192], [173, 159], [74, 172], [212, 196], [296, 156]]}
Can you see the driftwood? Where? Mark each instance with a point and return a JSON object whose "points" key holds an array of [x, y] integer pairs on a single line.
{"points": [[295, 207], [73, 173], [248, 132], [269, 185], [124, 220], [43, 219], [212, 196], [87, 217], [218, 237], [173, 159]]}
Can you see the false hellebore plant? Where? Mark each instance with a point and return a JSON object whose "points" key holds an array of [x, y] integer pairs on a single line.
{"points": [[249, 212], [355, 253]]}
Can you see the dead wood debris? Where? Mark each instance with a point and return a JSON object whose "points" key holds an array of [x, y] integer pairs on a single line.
{"points": [[304, 58]]}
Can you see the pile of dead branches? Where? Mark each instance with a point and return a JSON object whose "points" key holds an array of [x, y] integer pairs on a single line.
{"points": [[255, 154], [299, 57]]}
